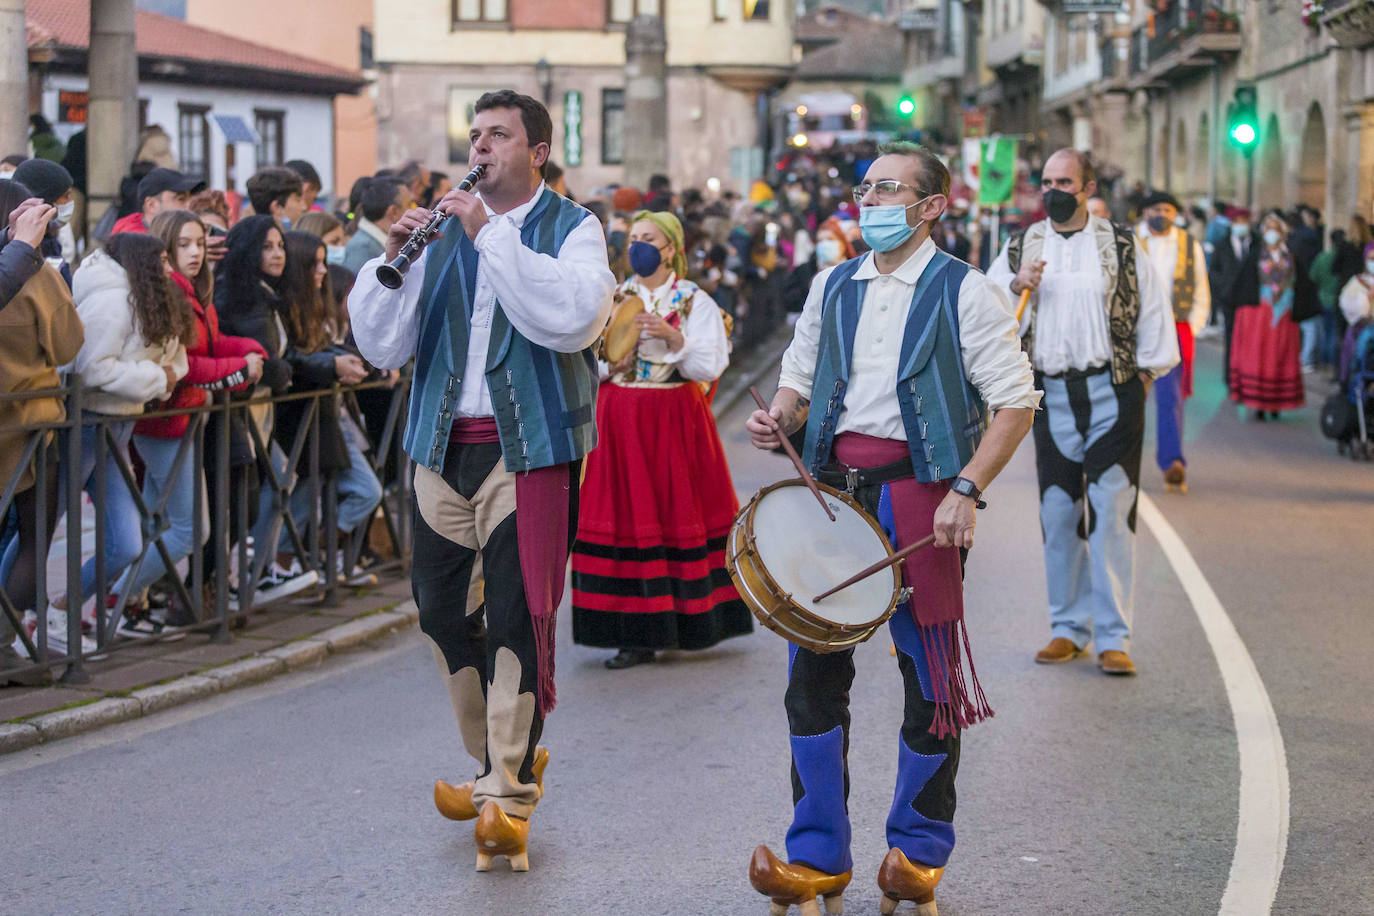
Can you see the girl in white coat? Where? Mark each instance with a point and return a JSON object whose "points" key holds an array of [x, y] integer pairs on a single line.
{"points": [[137, 327]]}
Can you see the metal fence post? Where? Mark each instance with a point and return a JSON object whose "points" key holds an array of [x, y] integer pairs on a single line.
{"points": [[75, 673]]}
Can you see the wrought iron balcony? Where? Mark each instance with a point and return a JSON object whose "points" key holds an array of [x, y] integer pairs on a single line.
{"points": [[1181, 39], [1349, 22]]}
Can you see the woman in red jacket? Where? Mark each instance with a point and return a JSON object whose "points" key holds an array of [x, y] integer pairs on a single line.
{"points": [[215, 363]]}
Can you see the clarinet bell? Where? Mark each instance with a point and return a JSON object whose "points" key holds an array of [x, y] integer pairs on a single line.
{"points": [[391, 276]]}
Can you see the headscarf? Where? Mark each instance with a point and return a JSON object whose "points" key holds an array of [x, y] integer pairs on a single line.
{"points": [[668, 224]]}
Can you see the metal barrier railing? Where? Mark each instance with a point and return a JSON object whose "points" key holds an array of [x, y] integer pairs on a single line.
{"points": [[316, 543]]}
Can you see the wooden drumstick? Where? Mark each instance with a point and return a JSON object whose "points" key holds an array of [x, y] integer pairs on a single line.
{"points": [[796, 459], [893, 560], [1021, 306]]}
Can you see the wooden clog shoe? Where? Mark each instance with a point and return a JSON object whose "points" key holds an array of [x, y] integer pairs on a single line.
{"points": [[789, 884], [499, 834], [455, 802], [901, 879]]}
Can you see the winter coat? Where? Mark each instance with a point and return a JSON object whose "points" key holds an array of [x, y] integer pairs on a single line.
{"points": [[39, 331], [214, 363], [120, 369]]}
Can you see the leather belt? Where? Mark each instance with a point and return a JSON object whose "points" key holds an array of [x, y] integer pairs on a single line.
{"points": [[1073, 374], [842, 475]]}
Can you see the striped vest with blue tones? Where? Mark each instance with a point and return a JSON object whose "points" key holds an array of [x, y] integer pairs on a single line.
{"points": [[544, 401], [942, 413]]}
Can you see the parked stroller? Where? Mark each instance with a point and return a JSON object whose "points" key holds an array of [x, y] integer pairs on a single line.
{"points": [[1348, 415]]}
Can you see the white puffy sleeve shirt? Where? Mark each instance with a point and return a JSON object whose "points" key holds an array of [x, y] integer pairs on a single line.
{"points": [[705, 351], [988, 342], [560, 303]]}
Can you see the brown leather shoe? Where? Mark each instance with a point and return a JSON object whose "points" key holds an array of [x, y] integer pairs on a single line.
{"points": [[1176, 477], [1060, 650], [1114, 662], [455, 802], [901, 879], [789, 884], [499, 834]]}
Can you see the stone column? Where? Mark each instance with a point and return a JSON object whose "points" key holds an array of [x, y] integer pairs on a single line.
{"points": [[14, 79], [112, 126], [646, 100]]}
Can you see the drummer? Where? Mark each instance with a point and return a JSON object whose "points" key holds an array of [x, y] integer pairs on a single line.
{"points": [[648, 567], [905, 352]]}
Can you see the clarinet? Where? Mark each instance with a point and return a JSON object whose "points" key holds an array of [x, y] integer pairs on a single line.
{"points": [[393, 274]]}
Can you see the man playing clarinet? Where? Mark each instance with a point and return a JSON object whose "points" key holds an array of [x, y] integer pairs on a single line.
{"points": [[898, 358], [499, 313]]}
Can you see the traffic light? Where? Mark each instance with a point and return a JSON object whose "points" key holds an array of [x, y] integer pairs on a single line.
{"points": [[906, 106], [1242, 119]]}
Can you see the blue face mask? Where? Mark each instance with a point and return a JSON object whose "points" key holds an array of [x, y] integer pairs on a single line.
{"points": [[885, 228], [334, 254], [644, 258]]}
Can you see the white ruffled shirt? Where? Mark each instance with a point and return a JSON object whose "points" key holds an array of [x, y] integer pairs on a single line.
{"points": [[705, 350], [561, 303], [1071, 329]]}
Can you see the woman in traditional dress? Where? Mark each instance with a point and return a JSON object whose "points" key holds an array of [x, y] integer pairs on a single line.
{"points": [[657, 501], [1266, 374]]}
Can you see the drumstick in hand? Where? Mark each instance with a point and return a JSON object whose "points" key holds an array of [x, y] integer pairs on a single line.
{"points": [[893, 560], [796, 459], [1021, 306]]}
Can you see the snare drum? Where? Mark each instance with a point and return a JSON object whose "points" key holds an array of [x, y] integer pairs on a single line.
{"points": [[783, 551]]}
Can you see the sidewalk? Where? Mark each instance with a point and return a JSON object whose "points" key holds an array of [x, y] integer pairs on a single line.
{"points": [[138, 680]]}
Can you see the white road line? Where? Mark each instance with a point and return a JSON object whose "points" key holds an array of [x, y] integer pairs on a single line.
{"points": [[1262, 829]]}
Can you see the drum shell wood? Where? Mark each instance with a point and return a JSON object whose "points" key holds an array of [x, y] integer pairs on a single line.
{"points": [[622, 336], [774, 608]]}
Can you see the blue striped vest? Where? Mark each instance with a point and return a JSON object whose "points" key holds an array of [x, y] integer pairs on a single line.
{"points": [[943, 415], [544, 401]]}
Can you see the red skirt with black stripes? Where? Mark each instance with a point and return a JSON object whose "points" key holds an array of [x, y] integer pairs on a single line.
{"points": [[657, 503]]}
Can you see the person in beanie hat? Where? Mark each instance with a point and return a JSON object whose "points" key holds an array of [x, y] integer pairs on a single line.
{"points": [[53, 184]]}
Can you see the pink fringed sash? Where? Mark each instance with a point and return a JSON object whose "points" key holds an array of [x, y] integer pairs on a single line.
{"points": [[935, 576]]}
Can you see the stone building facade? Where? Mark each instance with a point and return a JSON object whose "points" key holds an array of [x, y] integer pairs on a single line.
{"points": [[435, 57]]}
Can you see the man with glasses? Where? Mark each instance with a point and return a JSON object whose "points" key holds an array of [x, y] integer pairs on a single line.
{"points": [[1099, 329], [904, 352]]}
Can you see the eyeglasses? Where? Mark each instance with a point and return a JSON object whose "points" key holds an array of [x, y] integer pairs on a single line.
{"points": [[887, 190]]}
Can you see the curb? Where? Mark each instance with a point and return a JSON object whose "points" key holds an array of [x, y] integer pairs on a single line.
{"points": [[79, 719]]}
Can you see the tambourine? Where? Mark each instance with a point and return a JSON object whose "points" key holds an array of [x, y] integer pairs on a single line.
{"points": [[622, 335]]}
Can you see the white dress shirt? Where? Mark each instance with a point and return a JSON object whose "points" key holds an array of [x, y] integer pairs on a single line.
{"points": [[705, 350], [1071, 316], [561, 303], [991, 350], [1163, 252]]}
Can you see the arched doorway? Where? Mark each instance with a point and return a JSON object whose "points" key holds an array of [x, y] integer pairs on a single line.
{"points": [[1180, 181], [1269, 189], [1312, 165]]}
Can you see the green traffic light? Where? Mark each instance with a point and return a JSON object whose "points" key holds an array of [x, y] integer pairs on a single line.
{"points": [[1243, 134], [906, 106]]}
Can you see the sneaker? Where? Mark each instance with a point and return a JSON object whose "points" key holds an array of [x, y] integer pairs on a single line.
{"points": [[279, 583], [138, 623], [57, 633], [357, 577]]}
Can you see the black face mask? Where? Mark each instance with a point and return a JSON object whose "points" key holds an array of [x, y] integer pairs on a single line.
{"points": [[1060, 205], [1158, 223]]}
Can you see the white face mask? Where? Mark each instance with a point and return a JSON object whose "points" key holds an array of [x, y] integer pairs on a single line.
{"points": [[1272, 237], [65, 211], [1240, 230], [6, 173], [828, 251], [1369, 267]]}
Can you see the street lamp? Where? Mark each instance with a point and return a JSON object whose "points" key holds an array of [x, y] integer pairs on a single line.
{"points": [[543, 75]]}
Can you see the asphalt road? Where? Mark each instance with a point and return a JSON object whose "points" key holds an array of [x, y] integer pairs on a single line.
{"points": [[1085, 795]]}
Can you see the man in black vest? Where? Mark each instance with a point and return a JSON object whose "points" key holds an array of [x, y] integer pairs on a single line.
{"points": [[1099, 328], [1232, 285]]}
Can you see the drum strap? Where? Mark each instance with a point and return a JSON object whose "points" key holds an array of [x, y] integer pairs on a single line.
{"points": [[838, 474]]}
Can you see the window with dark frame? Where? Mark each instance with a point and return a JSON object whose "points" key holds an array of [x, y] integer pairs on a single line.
{"points": [[612, 126], [470, 11], [193, 140], [271, 145], [622, 11], [756, 10]]}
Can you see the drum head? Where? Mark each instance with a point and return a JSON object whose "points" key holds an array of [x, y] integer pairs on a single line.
{"points": [[807, 554], [621, 334]]}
